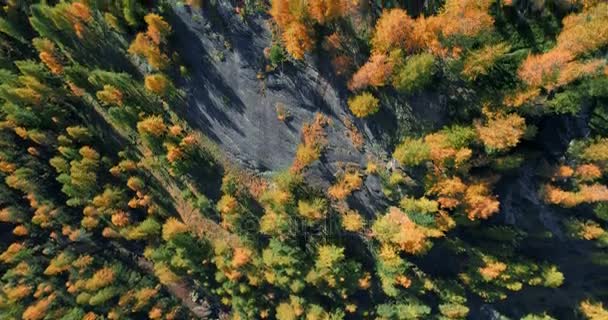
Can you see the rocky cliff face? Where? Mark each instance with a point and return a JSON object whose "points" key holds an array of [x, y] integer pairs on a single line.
{"points": [[232, 101]]}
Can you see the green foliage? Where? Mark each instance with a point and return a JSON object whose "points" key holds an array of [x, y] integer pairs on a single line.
{"points": [[412, 152], [276, 55], [415, 74], [402, 311]]}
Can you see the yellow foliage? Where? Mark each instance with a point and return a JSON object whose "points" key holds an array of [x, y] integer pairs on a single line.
{"points": [[593, 311], [110, 95], [348, 183], [173, 227], [352, 221], [297, 40], [164, 274], [101, 278], [326, 10]]}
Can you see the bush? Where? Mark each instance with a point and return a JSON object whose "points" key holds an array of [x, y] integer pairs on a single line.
{"points": [[363, 105], [415, 73], [412, 152]]}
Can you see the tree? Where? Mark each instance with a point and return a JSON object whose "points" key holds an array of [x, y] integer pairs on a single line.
{"points": [[296, 39], [480, 62], [415, 74], [48, 54], [326, 10], [348, 182], [363, 105], [375, 73], [153, 126], [157, 83], [480, 203], [592, 310], [393, 30], [412, 152], [502, 132], [158, 28]]}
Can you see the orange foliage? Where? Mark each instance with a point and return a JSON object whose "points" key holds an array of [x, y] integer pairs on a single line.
{"points": [[158, 28], [588, 172], [465, 17], [348, 183], [83, 262], [280, 12], [402, 232], [174, 153], [537, 69], [575, 70], [153, 126], [492, 270], [403, 281], [52, 62], [449, 191], [502, 132], [120, 219], [326, 10], [156, 83], [80, 11], [20, 231], [38, 310], [353, 134], [17, 292], [564, 172], [590, 230], [593, 311], [582, 32], [101, 278], [145, 47], [240, 257], [480, 203], [393, 30], [518, 98], [297, 40], [155, 313], [11, 252], [375, 73], [313, 142], [586, 194]]}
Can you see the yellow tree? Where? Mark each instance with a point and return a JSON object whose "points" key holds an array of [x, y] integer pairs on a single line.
{"points": [[297, 40]]}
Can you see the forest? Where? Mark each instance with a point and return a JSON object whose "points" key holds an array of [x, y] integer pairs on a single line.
{"points": [[303, 159]]}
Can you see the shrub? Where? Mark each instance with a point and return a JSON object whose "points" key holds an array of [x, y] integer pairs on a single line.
{"points": [[415, 73], [363, 105], [412, 152]]}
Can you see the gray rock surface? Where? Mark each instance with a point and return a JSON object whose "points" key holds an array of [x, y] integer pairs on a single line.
{"points": [[234, 107]]}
